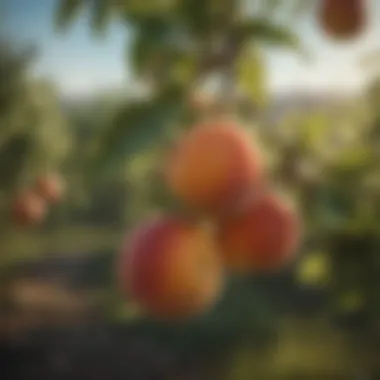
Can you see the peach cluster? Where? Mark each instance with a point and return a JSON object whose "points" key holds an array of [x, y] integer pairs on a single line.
{"points": [[30, 206], [174, 267]]}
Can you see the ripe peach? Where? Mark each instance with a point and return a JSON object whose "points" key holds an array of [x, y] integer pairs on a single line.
{"points": [[262, 238], [342, 19], [50, 187], [171, 268], [28, 208], [214, 166]]}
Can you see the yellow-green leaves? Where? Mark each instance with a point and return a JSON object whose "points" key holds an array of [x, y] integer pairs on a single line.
{"points": [[135, 127], [313, 130], [314, 269], [269, 33], [149, 7], [351, 301], [184, 69], [251, 75], [14, 154]]}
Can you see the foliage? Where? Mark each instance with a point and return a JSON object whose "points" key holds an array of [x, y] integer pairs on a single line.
{"points": [[177, 43], [131, 129], [33, 136]]}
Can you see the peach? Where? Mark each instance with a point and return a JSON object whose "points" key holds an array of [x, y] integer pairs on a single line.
{"points": [[342, 19], [50, 187], [171, 268], [263, 238], [28, 208], [214, 166]]}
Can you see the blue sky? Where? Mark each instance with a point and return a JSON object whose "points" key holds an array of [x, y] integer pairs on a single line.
{"points": [[81, 63]]}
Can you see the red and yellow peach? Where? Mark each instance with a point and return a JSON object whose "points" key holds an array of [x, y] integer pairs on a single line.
{"points": [[28, 208], [214, 166], [262, 238], [171, 268]]}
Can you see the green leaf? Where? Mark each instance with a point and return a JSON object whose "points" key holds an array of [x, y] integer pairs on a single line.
{"points": [[143, 50], [195, 14], [261, 30], [100, 15], [351, 301], [251, 75], [183, 68], [358, 158], [67, 11], [150, 43], [313, 130], [137, 126], [13, 155]]}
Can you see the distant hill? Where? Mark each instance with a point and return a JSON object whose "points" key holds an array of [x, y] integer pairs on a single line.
{"points": [[285, 102], [72, 102], [281, 102]]}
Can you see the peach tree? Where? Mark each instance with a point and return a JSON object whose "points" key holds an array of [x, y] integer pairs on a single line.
{"points": [[196, 58]]}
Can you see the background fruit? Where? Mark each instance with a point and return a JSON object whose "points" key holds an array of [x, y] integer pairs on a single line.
{"points": [[171, 268], [50, 187], [342, 19], [28, 208], [263, 237], [214, 165]]}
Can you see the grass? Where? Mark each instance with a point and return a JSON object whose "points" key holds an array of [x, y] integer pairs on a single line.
{"points": [[26, 245]]}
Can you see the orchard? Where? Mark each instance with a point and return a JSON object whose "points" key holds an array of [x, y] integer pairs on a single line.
{"points": [[221, 215]]}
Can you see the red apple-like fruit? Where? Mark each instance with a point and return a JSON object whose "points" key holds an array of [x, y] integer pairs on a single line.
{"points": [[214, 166], [50, 187], [171, 268], [343, 19], [263, 238], [28, 208]]}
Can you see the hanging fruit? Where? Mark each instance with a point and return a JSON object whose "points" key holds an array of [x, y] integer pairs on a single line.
{"points": [[343, 19]]}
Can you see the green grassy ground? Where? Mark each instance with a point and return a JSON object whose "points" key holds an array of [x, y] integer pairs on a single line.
{"points": [[21, 245]]}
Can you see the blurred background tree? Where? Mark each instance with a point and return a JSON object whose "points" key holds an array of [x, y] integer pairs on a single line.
{"points": [[35, 136]]}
